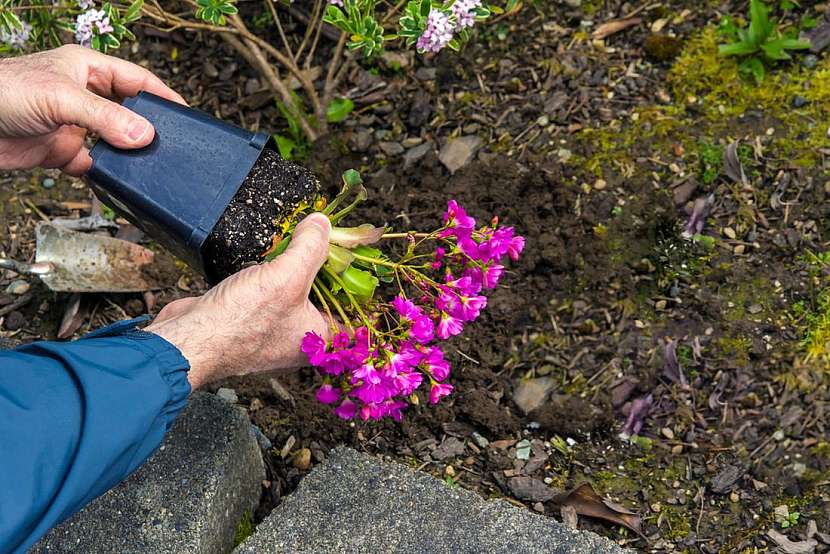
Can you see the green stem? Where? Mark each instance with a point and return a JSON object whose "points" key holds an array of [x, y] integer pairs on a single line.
{"points": [[325, 305], [322, 286], [351, 298], [375, 261], [403, 235]]}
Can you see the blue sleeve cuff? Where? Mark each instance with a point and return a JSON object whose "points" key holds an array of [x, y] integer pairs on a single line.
{"points": [[172, 365]]}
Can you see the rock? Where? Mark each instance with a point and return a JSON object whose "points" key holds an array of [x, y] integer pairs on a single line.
{"points": [[426, 73], [48, 183], [263, 441], [810, 61], [14, 321], [409, 142], [361, 140], [728, 476], [480, 441], [18, 287], [416, 154], [228, 395], [451, 447], [302, 459], [395, 60], [356, 503], [391, 148], [459, 152], [188, 498], [799, 101], [530, 489], [529, 395], [523, 450]]}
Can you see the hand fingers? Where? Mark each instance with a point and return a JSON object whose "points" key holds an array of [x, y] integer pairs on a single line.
{"points": [[114, 123], [306, 252], [116, 79]]}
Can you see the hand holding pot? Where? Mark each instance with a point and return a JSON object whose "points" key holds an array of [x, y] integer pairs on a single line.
{"points": [[254, 320], [48, 102]]}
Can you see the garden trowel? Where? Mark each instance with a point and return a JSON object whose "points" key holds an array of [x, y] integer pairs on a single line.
{"points": [[69, 261]]}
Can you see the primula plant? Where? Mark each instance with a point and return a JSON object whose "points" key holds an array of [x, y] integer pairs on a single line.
{"points": [[390, 313], [760, 43], [365, 27]]}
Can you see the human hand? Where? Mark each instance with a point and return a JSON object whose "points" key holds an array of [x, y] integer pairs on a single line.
{"points": [[49, 100], [254, 320]]}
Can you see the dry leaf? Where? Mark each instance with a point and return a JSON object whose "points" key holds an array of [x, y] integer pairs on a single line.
{"points": [[732, 164], [569, 516], [614, 26], [586, 502], [786, 546], [73, 317]]}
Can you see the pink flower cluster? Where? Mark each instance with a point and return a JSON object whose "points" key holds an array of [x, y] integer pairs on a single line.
{"points": [[88, 22], [443, 24], [376, 372]]}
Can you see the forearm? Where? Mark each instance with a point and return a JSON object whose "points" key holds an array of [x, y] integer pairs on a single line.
{"points": [[76, 419]]}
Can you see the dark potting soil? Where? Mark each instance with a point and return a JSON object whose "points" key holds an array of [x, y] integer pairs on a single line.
{"points": [[270, 193]]}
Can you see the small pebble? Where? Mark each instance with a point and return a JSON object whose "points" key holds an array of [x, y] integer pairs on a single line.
{"points": [[600, 184], [810, 61], [18, 287], [799, 101], [228, 395], [480, 441], [523, 450], [301, 459], [14, 321], [48, 183]]}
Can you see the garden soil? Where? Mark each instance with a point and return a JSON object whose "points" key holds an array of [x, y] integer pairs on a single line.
{"points": [[709, 350]]}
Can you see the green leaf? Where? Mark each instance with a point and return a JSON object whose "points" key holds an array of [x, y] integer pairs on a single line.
{"points": [[774, 50], [339, 109], [228, 9], [737, 49], [281, 246], [795, 44], [133, 13], [360, 283], [339, 258], [753, 67], [369, 252], [351, 178], [759, 24], [285, 145]]}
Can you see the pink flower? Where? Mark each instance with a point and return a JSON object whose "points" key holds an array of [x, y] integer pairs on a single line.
{"points": [[438, 33], [439, 256], [328, 394], [346, 410], [406, 357], [517, 244], [314, 347], [490, 275], [463, 12], [422, 330], [456, 218], [436, 365], [406, 308], [449, 326], [438, 391], [470, 307], [407, 381]]}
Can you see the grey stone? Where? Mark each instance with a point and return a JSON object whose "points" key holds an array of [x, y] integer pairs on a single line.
{"points": [[426, 73], [530, 394], [391, 148], [534, 490], [450, 447], [459, 152], [416, 154], [228, 395], [355, 503], [361, 140], [188, 498]]}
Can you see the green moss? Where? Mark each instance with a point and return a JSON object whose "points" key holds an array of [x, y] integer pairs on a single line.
{"points": [[735, 349], [244, 529], [677, 521], [711, 161]]}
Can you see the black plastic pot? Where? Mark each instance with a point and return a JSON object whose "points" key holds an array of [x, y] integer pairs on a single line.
{"points": [[177, 188]]}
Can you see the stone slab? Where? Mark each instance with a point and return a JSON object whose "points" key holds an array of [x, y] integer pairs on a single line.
{"points": [[188, 498], [356, 503]]}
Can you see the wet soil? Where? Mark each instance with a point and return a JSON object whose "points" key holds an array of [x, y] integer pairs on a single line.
{"points": [[269, 194]]}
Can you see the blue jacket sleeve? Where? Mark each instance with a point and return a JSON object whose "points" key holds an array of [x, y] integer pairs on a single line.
{"points": [[77, 418]]}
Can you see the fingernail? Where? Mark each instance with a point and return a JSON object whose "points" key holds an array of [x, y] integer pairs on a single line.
{"points": [[320, 221], [138, 129]]}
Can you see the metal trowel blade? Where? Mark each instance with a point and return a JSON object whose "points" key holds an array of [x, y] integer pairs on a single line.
{"points": [[84, 262]]}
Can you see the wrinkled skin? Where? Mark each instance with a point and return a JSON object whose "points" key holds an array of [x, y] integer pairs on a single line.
{"points": [[50, 100], [254, 320]]}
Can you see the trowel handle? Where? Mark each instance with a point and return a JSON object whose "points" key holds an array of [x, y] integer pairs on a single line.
{"points": [[39, 268]]}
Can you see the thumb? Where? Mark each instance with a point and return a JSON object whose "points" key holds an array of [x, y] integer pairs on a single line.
{"points": [[112, 122], [308, 249]]}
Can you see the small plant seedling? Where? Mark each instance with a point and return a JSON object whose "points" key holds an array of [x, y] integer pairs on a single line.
{"points": [[762, 42]]}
